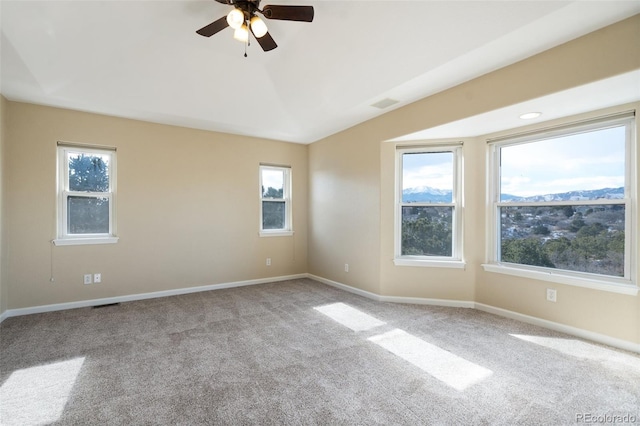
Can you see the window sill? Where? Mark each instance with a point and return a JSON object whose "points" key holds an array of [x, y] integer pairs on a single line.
{"points": [[84, 241], [612, 286], [278, 233], [424, 263]]}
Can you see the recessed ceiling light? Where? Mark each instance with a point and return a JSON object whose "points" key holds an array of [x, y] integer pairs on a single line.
{"points": [[530, 115]]}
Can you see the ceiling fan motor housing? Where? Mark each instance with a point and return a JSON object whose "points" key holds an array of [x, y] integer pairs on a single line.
{"points": [[249, 9]]}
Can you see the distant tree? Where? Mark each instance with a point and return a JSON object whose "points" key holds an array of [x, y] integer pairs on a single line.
{"points": [[592, 242], [527, 251], [425, 236], [88, 173], [558, 250], [272, 193], [577, 224], [568, 211], [591, 230], [540, 229], [616, 242]]}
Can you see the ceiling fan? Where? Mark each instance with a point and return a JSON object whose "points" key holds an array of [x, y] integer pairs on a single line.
{"points": [[243, 18]]}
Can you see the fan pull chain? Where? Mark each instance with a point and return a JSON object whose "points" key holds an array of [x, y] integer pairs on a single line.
{"points": [[248, 40]]}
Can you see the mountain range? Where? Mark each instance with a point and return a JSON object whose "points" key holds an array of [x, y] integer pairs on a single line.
{"points": [[434, 195]]}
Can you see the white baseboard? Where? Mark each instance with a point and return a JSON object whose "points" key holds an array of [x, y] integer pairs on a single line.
{"points": [[142, 296], [395, 299], [424, 301], [574, 331], [345, 287]]}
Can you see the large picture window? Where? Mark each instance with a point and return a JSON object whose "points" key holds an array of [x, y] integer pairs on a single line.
{"points": [[86, 195], [275, 201], [561, 201], [428, 202]]}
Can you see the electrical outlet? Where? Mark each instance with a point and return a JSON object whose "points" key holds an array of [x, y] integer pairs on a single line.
{"points": [[97, 278], [551, 295], [346, 267], [87, 278], [268, 261]]}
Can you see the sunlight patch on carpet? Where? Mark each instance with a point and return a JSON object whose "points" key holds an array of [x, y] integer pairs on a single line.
{"points": [[38, 395], [451, 369], [350, 317], [579, 349]]}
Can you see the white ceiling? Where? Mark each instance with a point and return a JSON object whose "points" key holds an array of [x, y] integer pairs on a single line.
{"points": [[143, 60]]}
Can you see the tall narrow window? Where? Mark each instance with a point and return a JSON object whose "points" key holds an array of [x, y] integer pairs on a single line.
{"points": [[562, 201], [275, 201], [86, 195], [429, 213]]}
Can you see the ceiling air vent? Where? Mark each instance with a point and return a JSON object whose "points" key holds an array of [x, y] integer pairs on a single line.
{"points": [[385, 103]]}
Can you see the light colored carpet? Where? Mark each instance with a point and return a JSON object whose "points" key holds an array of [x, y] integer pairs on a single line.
{"points": [[299, 352]]}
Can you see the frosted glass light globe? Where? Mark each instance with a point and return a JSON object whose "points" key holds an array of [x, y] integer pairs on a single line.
{"points": [[241, 34], [258, 27], [235, 18]]}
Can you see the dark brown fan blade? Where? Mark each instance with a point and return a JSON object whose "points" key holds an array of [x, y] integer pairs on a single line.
{"points": [[289, 13], [266, 42], [214, 27]]}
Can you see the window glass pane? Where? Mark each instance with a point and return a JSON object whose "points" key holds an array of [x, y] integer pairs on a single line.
{"points": [[585, 166], [87, 215], [427, 231], [88, 172], [427, 177], [577, 238], [272, 183], [273, 215]]}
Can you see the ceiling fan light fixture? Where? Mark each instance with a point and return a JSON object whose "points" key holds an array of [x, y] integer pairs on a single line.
{"points": [[241, 33], [258, 27], [235, 18]]}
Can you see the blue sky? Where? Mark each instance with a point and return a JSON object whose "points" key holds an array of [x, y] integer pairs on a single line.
{"points": [[583, 161], [431, 169], [272, 178]]}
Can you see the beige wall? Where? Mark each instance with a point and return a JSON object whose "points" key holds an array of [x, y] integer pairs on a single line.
{"points": [[187, 208], [612, 314], [406, 281], [3, 251], [338, 162], [345, 211]]}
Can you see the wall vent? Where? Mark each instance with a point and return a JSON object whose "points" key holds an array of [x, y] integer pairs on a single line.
{"points": [[105, 305], [385, 103]]}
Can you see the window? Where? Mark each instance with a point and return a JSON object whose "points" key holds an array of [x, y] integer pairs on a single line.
{"points": [[428, 206], [561, 203], [86, 195], [275, 201]]}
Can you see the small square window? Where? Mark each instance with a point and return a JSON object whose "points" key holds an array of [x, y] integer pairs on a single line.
{"points": [[275, 201], [86, 195]]}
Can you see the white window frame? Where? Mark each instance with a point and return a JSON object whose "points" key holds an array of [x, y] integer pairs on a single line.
{"points": [[456, 260], [622, 285], [63, 236], [286, 197]]}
